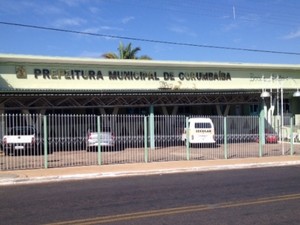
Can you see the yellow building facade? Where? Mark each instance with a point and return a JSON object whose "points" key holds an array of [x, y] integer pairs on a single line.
{"points": [[45, 85]]}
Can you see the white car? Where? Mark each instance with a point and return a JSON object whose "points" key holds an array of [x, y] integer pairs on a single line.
{"points": [[22, 138], [106, 139], [201, 130]]}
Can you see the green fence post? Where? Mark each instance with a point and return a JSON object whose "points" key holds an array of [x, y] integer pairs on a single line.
{"points": [[187, 138], [292, 135], [3, 124], [225, 138], [99, 141], [45, 142], [151, 126], [146, 138], [261, 125]]}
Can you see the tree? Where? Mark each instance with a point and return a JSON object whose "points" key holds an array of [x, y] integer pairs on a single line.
{"points": [[125, 52]]}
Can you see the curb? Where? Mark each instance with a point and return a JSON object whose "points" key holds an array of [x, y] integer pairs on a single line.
{"points": [[47, 179]]}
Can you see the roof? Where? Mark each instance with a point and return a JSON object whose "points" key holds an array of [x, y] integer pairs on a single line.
{"points": [[138, 63]]}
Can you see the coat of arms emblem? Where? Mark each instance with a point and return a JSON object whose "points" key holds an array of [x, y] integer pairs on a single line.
{"points": [[21, 72]]}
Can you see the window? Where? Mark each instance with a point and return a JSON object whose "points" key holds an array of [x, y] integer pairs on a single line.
{"points": [[202, 125]]}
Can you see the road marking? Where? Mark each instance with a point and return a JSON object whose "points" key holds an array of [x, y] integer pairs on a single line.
{"points": [[177, 210]]}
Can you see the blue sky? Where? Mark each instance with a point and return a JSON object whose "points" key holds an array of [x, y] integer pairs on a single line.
{"points": [[272, 25]]}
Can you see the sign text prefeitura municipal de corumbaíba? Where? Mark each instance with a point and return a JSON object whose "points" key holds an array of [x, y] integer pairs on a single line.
{"points": [[77, 74]]}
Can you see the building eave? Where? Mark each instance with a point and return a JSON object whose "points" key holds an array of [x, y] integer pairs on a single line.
{"points": [[13, 58]]}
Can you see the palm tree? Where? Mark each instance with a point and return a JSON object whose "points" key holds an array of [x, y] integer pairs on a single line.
{"points": [[125, 52]]}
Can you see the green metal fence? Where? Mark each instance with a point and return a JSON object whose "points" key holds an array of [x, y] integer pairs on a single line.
{"points": [[80, 140]]}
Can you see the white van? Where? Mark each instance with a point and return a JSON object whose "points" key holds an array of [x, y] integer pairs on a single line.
{"points": [[201, 130]]}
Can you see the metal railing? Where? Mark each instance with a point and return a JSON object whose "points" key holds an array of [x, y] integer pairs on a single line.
{"points": [[63, 140]]}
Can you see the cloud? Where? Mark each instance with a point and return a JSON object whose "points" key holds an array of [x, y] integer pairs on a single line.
{"points": [[99, 31], [49, 10], [178, 29], [292, 35], [23, 7], [182, 30], [74, 3], [101, 28], [69, 22], [127, 19], [230, 26], [94, 10], [250, 17]]}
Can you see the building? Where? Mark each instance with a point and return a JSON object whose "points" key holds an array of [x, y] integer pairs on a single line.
{"points": [[49, 85]]}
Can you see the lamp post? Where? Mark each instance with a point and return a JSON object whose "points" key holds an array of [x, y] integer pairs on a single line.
{"points": [[280, 108], [263, 95], [296, 93], [266, 94], [282, 120]]}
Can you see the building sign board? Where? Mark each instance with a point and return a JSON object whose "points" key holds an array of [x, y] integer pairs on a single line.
{"points": [[148, 76], [71, 74]]}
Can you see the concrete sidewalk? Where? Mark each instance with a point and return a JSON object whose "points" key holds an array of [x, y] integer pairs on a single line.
{"points": [[135, 169]]}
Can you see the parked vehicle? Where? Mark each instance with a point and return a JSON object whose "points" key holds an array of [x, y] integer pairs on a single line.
{"points": [[201, 130], [21, 138], [107, 139], [270, 137]]}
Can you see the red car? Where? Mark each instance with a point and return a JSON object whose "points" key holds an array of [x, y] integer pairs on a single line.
{"points": [[270, 138]]}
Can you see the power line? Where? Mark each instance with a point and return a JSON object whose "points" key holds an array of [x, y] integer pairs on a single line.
{"points": [[149, 40]]}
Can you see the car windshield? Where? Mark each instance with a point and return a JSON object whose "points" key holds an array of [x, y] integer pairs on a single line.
{"points": [[202, 125]]}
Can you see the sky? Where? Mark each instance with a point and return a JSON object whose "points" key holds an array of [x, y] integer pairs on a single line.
{"points": [[245, 31]]}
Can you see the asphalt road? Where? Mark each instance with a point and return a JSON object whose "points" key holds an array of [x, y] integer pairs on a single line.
{"points": [[252, 196]]}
